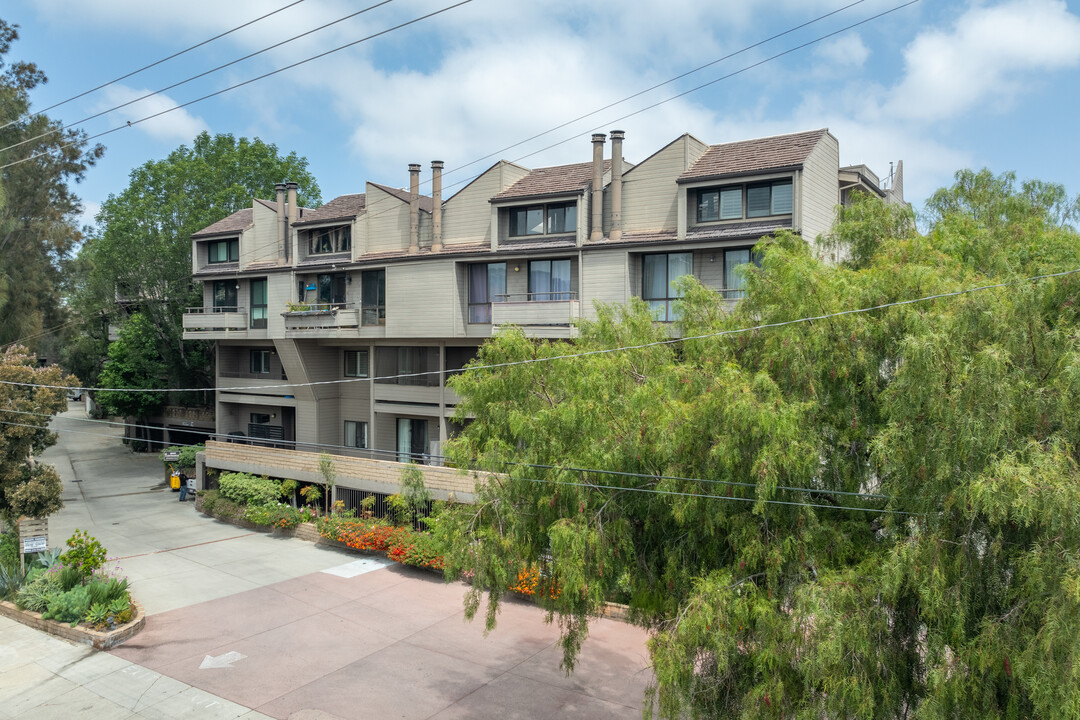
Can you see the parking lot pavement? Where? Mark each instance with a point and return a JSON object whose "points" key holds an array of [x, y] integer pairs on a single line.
{"points": [[390, 642]]}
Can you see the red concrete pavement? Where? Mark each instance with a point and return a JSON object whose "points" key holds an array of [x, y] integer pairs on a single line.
{"points": [[391, 642]]}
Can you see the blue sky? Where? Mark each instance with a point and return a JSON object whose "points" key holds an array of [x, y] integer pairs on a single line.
{"points": [[941, 85]]}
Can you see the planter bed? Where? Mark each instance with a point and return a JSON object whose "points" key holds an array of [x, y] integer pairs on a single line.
{"points": [[100, 639]]}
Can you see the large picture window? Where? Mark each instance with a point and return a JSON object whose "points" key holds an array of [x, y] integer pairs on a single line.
{"points": [[222, 251], [487, 282], [258, 303], [224, 296], [659, 273], [736, 202], [373, 297], [550, 219], [549, 280], [417, 366], [735, 262], [331, 289], [329, 240]]}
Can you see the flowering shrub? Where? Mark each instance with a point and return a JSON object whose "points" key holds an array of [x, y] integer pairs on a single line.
{"points": [[85, 553], [401, 544], [279, 515], [529, 583]]}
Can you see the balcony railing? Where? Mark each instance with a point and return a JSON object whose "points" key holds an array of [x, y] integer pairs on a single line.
{"points": [[536, 309], [320, 316], [211, 319]]}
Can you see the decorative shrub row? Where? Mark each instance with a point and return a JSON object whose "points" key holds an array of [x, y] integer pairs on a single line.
{"points": [[401, 544], [247, 489]]}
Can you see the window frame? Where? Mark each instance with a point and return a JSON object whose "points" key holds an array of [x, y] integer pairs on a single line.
{"points": [[480, 308], [546, 219], [259, 309], [360, 433], [737, 293], [329, 240], [357, 370], [263, 363], [549, 293], [232, 251], [376, 311], [669, 312], [744, 190]]}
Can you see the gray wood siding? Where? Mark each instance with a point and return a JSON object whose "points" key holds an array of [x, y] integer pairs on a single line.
{"points": [[820, 190], [420, 299], [259, 244], [650, 194], [387, 221], [603, 279]]}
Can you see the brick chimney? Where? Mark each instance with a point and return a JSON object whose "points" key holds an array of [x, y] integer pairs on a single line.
{"points": [[598, 187], [436, 205], [414, 208], [616, 185]]}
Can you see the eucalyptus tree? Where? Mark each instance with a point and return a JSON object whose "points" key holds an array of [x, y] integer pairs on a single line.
{"points": [[872, 514]]}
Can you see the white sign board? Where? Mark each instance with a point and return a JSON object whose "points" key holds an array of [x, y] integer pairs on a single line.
{"points": [[34, 545]]}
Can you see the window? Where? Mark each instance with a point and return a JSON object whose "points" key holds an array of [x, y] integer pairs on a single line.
{"points": [[550, 219], [221, 251], [549, 280], [373, 297], [355, 434], [356, 363], [258, 303], [224, 296], [260, 362], [260, 418], [407, 366], [329, 240], [412, 440], [487, 282], [734, 278], [659, 273], [331, 289], [762, 200]]}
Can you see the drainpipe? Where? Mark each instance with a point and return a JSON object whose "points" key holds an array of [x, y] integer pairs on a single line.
{"points": [[294, 213], [414, 208], [616, 185], [282, 238], [598, 187], [436, 205]]}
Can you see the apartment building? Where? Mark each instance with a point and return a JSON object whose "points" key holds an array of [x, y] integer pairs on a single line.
{"points": [[402, 287]]}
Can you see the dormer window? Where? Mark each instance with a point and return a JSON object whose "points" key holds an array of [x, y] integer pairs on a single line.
{"points": [[735, 202], [222, 251], [329, 240], [548, 219]]}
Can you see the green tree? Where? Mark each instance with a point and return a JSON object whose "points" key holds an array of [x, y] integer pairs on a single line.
{"points": [[140, 251], [135, 361], [28, 488], [38, 209], [872, 515]]}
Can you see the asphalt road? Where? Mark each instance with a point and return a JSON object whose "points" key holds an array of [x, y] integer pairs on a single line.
{"points": [[244, 624]]}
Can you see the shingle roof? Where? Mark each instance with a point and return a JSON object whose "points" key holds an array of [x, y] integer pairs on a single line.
{"points": [[556, 180], [749, 156], [231, 224], [345, 207], [426, 203]]}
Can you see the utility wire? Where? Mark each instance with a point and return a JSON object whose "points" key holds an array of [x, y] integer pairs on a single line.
{"points": [[26, 116], [397, 453], [594, 486], [194, 77], [246, 82], [586, 353]]}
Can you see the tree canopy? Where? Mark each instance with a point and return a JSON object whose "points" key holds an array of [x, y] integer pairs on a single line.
{"points": [[27, 487], [139, 256], [38, 209], [872, 515]]}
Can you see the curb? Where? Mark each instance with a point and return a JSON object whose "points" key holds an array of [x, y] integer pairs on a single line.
{"points": [[79, 634]]}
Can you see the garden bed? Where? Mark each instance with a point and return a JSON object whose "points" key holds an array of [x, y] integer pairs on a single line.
{"points": [[82, 633]]}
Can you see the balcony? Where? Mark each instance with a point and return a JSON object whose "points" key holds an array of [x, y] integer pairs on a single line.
{"points": [[215, 323], [324, 320], [540, 315]]}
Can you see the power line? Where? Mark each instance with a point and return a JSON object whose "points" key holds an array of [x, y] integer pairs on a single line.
{"points": [[247, 82], [595, 486], [586, 353], [540, 466], [147, 67], [195, 77]]}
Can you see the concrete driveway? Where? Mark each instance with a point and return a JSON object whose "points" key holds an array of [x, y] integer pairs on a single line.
{"points": [[247, 624]]}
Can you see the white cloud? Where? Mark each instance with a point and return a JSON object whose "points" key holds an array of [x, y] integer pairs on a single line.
{"points": [[845, 51], [88, 213], [989, 56], [173, 125]]}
